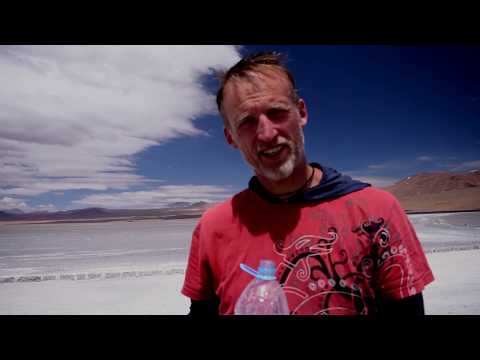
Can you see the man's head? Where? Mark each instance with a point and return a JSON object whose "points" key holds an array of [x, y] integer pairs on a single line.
{"points": [[263, 115]]}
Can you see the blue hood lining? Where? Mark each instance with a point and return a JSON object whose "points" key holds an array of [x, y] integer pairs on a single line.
{"points": [[332, 185]]}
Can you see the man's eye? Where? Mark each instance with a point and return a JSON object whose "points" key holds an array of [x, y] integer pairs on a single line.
{"points": [[276, 113], [246, 121]]}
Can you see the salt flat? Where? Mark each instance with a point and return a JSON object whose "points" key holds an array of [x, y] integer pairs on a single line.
{"points": [[456, 289]]}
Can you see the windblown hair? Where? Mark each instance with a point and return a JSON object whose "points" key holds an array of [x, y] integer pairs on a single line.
{"points": [[259, 62]]}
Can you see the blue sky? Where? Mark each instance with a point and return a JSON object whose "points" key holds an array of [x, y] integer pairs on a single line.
{"points": [[121, 127]]}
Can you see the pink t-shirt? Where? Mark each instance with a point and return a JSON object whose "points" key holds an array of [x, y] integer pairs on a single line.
{"points": [[333, 257]]}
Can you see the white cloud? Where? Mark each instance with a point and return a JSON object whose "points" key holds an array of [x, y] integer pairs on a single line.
{"points": [[100, 182], [48, 207], [426, 158], [377, 181], [468, 165], [157, 198], [79, 113], [387, 166], [373, 174], [8, 203], [378, 166]]}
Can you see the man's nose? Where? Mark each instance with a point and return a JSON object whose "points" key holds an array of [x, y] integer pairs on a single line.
{"points": [[266, 132]]}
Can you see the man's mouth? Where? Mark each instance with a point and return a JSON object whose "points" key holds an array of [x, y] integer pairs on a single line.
{"points": [[273, 151]]}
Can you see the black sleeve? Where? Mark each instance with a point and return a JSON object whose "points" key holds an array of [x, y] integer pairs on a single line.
{"points": [[412, 305], [205, 308]]}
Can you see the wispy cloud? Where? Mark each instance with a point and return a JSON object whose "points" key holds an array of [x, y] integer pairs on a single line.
{"points": [[157, 198], [47, 207], [71, 117], [377, 181], [448, 163], [378, 166], [8, 203], [102, 182], [468, 165], [388, 173], [420, 163], [394, 165], [379, 175], [426, 158]]}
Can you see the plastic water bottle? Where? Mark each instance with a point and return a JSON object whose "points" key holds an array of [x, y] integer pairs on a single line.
{"points": [[263, 295]]}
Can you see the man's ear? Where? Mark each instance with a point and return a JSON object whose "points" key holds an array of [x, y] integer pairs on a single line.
{"points": [[229, 137], [302, 110]]}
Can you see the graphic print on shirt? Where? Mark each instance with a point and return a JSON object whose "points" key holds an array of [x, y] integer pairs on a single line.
{"points": [[320, 278]]}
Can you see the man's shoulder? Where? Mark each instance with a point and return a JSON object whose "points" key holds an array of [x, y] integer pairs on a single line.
{"points": [[374, 196], [376, 192], [219, 209], [224, 211]]}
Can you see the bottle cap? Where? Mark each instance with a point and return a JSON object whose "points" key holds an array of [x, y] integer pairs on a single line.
{"points": [[266, 270]]}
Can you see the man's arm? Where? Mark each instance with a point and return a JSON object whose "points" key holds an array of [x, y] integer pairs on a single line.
{"points": [[205, 308], [412, 305]]}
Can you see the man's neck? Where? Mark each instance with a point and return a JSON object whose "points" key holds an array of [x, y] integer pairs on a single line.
{"points": [[303, 177]]}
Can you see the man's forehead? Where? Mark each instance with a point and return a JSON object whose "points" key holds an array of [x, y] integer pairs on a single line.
{"points": [[253, 82]]}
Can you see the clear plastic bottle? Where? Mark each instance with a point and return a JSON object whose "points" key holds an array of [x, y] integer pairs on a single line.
{"points": [[263, 295]]}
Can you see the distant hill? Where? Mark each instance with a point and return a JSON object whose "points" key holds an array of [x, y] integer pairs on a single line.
{"points": [[424, 192], [201, 204], [173, 211], [439, 191], [5, 215], [15, 211], [179, 205]]}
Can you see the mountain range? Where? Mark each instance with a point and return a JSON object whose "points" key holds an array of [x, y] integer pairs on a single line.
{"points": [[439, 191], [173, 211], [423, 192]]}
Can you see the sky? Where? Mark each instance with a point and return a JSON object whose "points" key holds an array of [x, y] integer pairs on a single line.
{"points": [[137, 126]]}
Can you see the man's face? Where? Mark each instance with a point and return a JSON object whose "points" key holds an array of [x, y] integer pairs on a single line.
{"points": [[265, 124]]}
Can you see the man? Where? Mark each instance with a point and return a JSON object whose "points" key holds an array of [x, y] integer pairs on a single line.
{"points": [[341, 246]]}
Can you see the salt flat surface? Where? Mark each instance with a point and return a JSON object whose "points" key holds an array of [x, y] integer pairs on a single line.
{"points": [[147, 295], [100, 248], [446, 232], [455, 291], [136, 248], [30, 249]]}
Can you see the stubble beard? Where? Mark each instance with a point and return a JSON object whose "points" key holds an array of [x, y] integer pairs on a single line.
{"points": [[297, 153]]}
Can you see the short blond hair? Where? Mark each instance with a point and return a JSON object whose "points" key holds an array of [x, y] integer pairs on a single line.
{"points": [[258, 62]]}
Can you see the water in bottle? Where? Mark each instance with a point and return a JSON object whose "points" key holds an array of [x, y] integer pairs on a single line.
{"points": [[263, 295]]}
